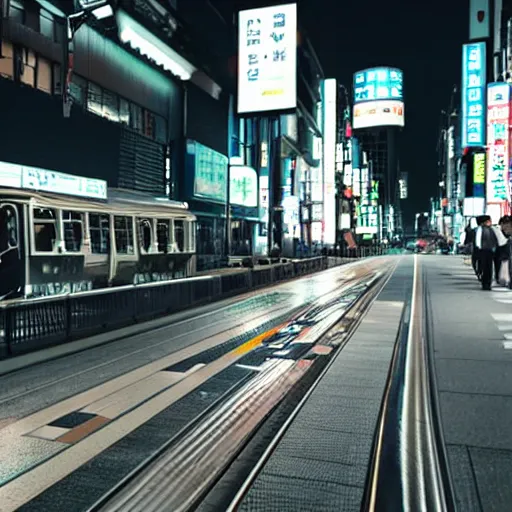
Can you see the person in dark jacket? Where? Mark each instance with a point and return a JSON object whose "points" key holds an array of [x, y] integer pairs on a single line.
{"points": [[486, 242]]}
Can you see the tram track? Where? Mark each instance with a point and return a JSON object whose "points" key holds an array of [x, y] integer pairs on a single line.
{"points": [[227, 439]]}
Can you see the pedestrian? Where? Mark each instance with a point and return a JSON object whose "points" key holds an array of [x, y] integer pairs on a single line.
{"points": [[487, 242]]}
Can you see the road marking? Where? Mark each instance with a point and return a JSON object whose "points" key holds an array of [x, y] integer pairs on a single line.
{"points": [[507, 345]]}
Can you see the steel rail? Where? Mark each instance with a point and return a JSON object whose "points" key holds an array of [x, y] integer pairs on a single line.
{"points": [[406, 472]]}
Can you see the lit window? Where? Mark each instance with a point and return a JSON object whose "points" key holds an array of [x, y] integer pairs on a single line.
{"points": [[99, 230], [28, 67], [179, 235], [44, 75], [7, 61], [78, 90], [162, 232], [110, 106], [124, 112]]}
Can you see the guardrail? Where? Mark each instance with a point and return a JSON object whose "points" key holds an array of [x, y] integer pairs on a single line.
{"points": [[32, 324]]}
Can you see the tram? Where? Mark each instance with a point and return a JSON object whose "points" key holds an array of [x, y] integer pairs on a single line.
{"points": [[53, 243]]}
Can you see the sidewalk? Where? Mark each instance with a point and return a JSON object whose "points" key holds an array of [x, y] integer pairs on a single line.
{"points": [[468, 331]]}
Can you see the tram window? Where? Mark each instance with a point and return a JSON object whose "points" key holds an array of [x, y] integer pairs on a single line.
{"points": [[146, 234], [45, 232], [73, 230], [123, 228], [99, 230], [179, 234], [8, 228], [162, 234]]}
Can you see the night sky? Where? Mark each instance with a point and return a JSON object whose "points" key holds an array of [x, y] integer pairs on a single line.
{"points": [[423, 39]]}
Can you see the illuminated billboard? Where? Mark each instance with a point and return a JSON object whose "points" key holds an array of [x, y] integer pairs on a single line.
{"points": [[329, 89], [243, 186], [498, 118], [267, 59], [473, 94], [378, 84], [378, 113]]}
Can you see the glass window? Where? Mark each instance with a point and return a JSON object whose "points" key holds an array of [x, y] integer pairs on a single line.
{"points": [[73, 223], [7, 60], [8, 228], [46, 26], [160, 129], [192, 237], [146, 234], [28, 67], [45, 230], [179, 234], [110, 106], [124, 112], [44, 75], [57, 79], [78, 89], [17, 11], [136, 118], [95, 99], [123, 227], [162, 233], [99, 230], [149, 124]]}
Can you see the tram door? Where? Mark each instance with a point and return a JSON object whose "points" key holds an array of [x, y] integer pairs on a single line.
{"points": [[11, 263]]}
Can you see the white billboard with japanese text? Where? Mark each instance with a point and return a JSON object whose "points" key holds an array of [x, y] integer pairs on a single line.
{"points": [[267, 59]]}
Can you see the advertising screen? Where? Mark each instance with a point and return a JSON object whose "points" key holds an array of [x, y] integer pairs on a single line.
{"points": [[378, 113], [498, 118], [267, 59], [473, 94], [243, 189], [378, 84], [210, 172]]}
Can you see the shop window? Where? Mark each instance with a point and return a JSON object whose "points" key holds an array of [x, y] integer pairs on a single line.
{"points": [[99, 231], [27, 66], [44, 75], [45, 229], [95, 99], [7, 61], [162, 235], [46, 24], [160, 129], [110, 106], [78, 90], [17, 11], [179, 235], [124, 112], [146, 234], [136, 118], [73, 223], [123, 228]]}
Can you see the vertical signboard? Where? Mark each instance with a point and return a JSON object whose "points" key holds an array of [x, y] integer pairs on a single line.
{"points": [[329, 131], [498, 118], [479, 175], [479, 19], [473, 94], [267, 59]]}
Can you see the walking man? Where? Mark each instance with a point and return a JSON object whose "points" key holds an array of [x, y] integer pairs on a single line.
{"points": [[486, 242]]}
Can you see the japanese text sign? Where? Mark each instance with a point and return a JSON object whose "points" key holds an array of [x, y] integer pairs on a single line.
{"points": [[267, 59], [473, 94]]}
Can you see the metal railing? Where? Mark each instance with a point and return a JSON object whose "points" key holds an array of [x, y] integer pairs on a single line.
{"points": [[27, 325]]}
